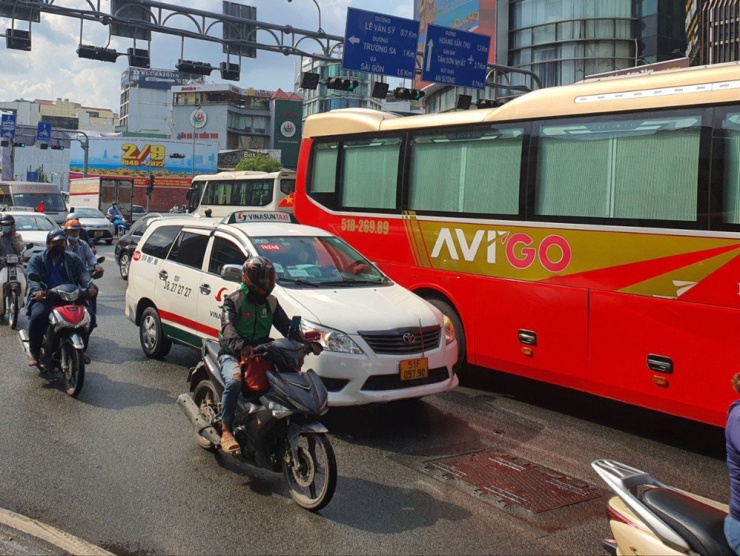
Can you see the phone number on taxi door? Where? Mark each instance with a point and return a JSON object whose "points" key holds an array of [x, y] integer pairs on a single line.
{"points": [[366, 226], [177, 289]]}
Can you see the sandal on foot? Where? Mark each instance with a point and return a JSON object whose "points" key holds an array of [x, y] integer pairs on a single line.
{"points": [[230, 445]]}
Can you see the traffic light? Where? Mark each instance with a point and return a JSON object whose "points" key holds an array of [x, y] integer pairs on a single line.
{"points": [[57, 147], [19, 144], [342, 84], [150, 186], [486, 103], [408, 94]]}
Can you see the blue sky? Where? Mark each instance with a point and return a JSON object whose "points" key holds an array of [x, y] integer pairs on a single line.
{"points": [[52, 69]]}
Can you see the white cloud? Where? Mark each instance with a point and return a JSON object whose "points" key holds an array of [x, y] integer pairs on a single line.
{"points": [[52, 69]]}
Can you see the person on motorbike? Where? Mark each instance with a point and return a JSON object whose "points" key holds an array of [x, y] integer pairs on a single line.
{"points": [[75, 245], [114, 213], [11, 241], [247, 316], [732, 444], [55, 266], [84, 236]]}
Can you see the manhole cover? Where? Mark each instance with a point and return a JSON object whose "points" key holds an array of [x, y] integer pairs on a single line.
{"points": [[512, 480]]}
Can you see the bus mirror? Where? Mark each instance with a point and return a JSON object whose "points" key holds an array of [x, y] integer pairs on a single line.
{"points": [[189, 193]]}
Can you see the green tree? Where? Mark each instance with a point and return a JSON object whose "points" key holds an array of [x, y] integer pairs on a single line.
{"points": [[261, 163]]}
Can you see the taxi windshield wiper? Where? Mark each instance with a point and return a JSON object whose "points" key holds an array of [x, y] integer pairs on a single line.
{"points": [[298, 281]]}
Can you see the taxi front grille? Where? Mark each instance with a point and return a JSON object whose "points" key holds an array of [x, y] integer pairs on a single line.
{"points": [[394, 382], [403, 341]]}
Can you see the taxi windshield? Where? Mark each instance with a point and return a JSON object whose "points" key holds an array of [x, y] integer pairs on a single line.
{"points": [[318, 261], [33, 222]]}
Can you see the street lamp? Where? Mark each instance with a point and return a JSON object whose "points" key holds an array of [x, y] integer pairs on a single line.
{"points": [[319, 9]]}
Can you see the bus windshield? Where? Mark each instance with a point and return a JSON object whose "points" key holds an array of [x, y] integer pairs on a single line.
{"points": [[239, 193]]}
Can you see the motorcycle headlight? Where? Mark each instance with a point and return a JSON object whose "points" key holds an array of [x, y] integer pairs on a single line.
{"points": [[332, 340], [68, 296], [449, 331]]}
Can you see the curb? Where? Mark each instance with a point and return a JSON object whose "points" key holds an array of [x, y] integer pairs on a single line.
{"points": [[48, 534]]}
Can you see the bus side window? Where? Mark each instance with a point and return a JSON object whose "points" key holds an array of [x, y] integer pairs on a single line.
{"points": [[731, 193]]}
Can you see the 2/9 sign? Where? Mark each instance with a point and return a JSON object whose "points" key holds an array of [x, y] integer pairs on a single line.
{"points": [[150, 155]]}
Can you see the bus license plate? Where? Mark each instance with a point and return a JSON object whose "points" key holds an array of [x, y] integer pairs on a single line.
{"points": [[412, 369], [97, 234]]}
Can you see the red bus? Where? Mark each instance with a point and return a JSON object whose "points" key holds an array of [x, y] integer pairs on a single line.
{"points": [[586, 235]]}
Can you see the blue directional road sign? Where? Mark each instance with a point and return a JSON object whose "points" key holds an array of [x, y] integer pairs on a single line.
{"points": [[43, 133], [7, 126], [379, 43], [455, 57]]}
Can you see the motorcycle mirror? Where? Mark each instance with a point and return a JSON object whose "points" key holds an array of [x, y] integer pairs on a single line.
{"points": [[97, 274], [29, 245], [100, 259], [35, 277]]}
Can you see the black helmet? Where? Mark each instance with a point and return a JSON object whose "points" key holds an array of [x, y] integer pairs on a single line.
{"points": [[7, 220], [55, 235], [260, 273]]}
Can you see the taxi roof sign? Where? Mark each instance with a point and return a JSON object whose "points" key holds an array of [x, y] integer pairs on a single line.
{"points": [[242, 216]]}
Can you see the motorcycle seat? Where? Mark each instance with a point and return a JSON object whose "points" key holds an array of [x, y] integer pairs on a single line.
{"points": [[700, 525]]}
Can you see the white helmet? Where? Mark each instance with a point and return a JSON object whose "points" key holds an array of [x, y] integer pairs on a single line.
{"points": [[72, 216]]}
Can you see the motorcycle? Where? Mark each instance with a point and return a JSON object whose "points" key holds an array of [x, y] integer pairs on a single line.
{"points": [[93, 301], [13, 280], [119, 225], [63, 346], [277, 429], [649, 517]]}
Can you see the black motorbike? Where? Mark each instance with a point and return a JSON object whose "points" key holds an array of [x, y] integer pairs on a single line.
{"points": [[277, 429], [13, 280]]}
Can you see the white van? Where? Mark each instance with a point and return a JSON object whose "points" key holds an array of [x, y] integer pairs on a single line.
{"points": [[43, 197], [381, 342]]}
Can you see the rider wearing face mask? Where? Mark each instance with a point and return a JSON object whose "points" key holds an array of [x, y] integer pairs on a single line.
{"points": [[11, 241], [248, 315], [55, 266]]}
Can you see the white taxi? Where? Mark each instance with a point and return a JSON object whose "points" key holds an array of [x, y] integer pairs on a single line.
{"points": [[381, 342]]}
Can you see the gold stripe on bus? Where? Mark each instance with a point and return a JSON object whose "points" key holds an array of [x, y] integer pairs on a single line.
{"points": [[414, 239], [528, 253], [677, 282]]}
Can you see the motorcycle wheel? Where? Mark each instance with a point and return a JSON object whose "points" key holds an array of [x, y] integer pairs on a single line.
{"points": [[151, 335], [73, 369], [123, 264], [12, 303], [207, 400], [312, 476]]}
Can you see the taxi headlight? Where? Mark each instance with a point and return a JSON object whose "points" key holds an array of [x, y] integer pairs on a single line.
{"points": [[332, 340], [449, 330]]}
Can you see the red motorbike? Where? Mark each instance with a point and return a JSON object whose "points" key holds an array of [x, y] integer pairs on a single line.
{"points": [[63, 345]]}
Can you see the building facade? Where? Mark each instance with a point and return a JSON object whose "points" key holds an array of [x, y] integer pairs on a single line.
{"points": [[560, 42], [146, 100], [719, 30]]}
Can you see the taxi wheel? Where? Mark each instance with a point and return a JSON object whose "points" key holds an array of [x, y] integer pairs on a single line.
{"points": [[108, 241], [447, 310], [154, 343]]}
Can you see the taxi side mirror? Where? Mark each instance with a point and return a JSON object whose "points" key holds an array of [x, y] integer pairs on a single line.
{"points": [[232, 272]]}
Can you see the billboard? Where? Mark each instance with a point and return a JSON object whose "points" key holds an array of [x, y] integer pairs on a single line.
{"points": [[172, 162], [287, 130], [151, 78]]}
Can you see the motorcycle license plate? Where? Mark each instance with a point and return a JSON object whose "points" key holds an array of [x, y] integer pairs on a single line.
{"points": [[412, 369], [97, 234]]}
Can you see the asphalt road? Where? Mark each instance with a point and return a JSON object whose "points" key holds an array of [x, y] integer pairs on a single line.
{"points": [[119, 467]]}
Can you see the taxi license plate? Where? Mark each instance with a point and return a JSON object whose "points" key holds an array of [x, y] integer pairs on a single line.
{"points": [[97, 234], [412, 369]]}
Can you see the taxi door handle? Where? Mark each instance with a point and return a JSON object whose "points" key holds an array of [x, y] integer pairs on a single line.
{"points": [[205, 289], [163, 275], [527, 337]]}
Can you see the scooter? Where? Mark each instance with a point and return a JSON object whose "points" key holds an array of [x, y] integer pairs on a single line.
{"points": [[649, 517], [13, 280], [119, 225], [277, 429], [63, 347]]}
